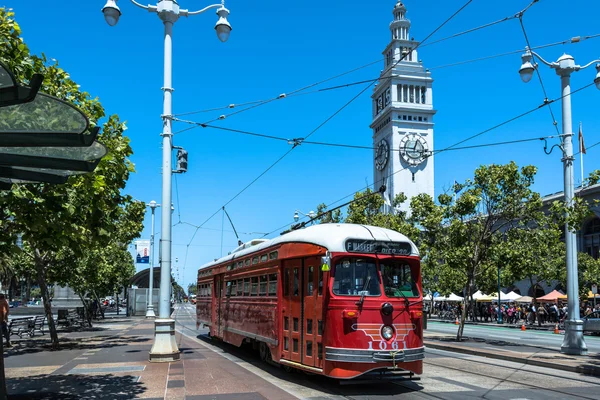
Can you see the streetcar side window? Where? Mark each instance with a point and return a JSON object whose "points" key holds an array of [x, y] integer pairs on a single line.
{"points": [[398, 280], [273, 285], [286, 282], [233, 289], [247, 287], [228, 291], [262, 290], [320, 282], [254, 291], [309, 281], [296, 282], [355, 277], [240, 287], [210, 289]]}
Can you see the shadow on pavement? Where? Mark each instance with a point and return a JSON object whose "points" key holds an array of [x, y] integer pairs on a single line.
{"points": [[317, 382], [68, 387], [41, 345]]}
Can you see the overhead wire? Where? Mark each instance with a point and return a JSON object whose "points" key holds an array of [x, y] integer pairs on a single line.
{"points": [[572, 40], [454, 146], [298, 141], [329, 118], [295, 92], [537, 72]]}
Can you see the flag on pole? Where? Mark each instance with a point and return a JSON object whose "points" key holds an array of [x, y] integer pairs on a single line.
{"points": [[581, 144], [456, 187]]}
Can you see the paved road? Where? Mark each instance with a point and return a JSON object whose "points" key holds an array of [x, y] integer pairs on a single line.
{"points": [[447, 375], [529, 337]]}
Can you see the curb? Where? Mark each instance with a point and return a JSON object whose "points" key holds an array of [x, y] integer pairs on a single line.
{"points": [[513, 326], [590, 370]]}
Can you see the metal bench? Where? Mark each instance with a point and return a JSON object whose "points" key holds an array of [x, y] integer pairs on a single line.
{"points": [[38, 324], [69, 318], [20, 326]]}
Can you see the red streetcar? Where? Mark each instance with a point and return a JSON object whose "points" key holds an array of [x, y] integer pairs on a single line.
{"points": [[340, 300]]}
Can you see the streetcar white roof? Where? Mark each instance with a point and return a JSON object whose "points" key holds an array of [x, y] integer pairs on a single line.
{"points": [[331, 236]]}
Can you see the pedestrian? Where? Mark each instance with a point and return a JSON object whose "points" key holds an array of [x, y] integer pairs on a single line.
{"points": [[4, 319]]}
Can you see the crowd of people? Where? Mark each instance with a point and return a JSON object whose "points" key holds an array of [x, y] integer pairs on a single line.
{"points": [[513, 313]]}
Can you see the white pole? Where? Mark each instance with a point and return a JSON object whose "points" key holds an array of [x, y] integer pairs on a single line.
{"points": [[580, 140], [165, 346], [165, 267], [150, 307], [573, 342]]}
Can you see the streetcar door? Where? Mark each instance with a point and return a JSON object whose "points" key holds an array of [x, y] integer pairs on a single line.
{"points": [[216, 317], [292, 311], [313, 313]]}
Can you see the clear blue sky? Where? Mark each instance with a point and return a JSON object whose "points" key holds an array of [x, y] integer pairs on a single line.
{"points": [[278, 47]]}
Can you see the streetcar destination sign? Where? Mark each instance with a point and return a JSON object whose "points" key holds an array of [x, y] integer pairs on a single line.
{"points": [[375, 246]]}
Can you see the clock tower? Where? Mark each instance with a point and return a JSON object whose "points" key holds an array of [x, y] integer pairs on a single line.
{"points": [[403, 118]]}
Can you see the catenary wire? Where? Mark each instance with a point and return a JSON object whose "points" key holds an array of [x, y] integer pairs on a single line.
{"points": [[454, 146], [517, 117], [262, 102], [572, 40], [487, 25], [537, 72], [327, 120], [301, 141]]}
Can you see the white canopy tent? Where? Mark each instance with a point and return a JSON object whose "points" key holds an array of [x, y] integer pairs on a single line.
{"points": [[478, 294], [512, 296], [454, 297]]}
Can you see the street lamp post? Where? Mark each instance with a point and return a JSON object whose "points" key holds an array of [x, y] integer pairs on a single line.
{"points": [[573, 342], [150, 308], [165, 347], [311, 214]]}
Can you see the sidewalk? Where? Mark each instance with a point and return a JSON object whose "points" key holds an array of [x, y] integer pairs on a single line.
{"points": [[538, 356], [548, 326], [110, 362]]}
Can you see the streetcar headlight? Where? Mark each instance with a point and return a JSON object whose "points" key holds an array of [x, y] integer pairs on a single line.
{"points": [[387, 332]]}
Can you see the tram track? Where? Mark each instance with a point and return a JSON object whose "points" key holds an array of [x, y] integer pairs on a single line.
{"points": [[523, 378]]}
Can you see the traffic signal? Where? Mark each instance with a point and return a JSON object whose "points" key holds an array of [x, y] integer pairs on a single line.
{"points": [[182, 160]]}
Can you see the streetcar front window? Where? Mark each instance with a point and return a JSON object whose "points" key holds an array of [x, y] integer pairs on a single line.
{"points": [[355, 277], [398, 280]]}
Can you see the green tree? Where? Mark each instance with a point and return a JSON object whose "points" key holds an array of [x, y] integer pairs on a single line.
{"points": [[534, 253], [466, 232], [334, 216], [192, 289], [83, 215]]}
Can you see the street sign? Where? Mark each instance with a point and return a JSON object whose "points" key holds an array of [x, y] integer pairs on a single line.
{"points": [[594, 288]]}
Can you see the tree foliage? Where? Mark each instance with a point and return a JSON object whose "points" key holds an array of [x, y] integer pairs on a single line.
{"points": [[75, 233], [465, 234]]}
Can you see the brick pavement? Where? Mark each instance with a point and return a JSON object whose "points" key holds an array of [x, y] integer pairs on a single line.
{"points": [[111, 362]]}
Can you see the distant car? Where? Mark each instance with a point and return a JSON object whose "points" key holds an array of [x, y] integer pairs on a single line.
{"points": [[591, 323]]}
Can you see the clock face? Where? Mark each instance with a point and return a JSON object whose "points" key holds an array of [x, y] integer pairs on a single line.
{"points": [[413, 149], [382, 154]]}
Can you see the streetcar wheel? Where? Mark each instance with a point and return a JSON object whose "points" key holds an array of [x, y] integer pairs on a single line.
{"points": [[288, 369], [264, 351]]}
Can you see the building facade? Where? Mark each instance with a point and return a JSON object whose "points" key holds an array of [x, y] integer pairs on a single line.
{"points": [[403, 117]]}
